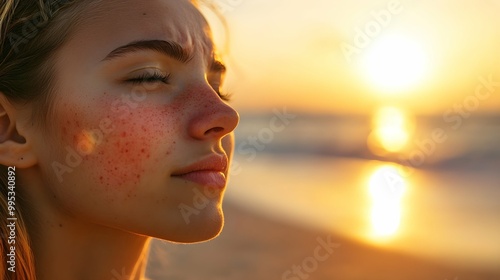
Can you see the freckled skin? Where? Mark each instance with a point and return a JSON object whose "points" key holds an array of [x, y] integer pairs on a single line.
{"points": [[142, 139], [130, 147], [123, 154], [126, 152]]}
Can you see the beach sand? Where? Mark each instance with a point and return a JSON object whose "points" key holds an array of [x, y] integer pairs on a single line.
{"points": [[253, 247]]}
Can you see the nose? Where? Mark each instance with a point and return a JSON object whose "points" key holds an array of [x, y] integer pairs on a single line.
{"points": [[213, 118]]}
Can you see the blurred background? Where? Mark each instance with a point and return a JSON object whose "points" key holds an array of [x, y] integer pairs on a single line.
{"points": [[368, 147]]}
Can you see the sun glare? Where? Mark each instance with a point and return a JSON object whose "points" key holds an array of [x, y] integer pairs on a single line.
{"points": [[86, 142], [386, 188], [395, 63]]}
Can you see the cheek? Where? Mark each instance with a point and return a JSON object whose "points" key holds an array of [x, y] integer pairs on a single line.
{"points": [[120, 142]]}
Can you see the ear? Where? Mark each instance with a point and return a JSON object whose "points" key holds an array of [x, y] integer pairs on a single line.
{"points": [[14, 149]]}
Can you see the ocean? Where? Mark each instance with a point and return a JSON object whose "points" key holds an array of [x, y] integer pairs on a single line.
{"points": [[318, 171]]}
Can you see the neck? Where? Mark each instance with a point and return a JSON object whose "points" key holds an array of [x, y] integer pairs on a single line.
{"points": [[66, 247], [69, 252]]}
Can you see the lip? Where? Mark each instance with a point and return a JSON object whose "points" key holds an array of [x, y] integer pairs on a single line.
{"points": [[208, 172]]}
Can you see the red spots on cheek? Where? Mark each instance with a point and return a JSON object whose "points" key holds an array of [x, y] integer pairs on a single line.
{"points": [[122, 142], [134, 147]]}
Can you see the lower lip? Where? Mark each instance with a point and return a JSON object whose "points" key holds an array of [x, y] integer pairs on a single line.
{"points": [[210, 179]]}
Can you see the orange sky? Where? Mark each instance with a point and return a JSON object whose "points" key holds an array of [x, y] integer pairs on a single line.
{"points": [[288, 53]]}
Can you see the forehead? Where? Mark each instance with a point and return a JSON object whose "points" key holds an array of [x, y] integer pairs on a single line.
{"points": [[106, 24]]}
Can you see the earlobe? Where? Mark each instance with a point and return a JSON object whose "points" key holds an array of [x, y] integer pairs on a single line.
{"points": [[15, 150]]}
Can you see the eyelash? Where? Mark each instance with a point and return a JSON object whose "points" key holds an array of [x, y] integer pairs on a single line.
{"points": [[150, 78], [157, 77], [224, 96]]}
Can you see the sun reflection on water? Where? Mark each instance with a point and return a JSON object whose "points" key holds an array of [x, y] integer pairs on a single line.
{"points": [[386, 188]]}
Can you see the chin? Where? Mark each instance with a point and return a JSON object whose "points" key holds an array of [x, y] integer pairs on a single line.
{"points": [[205, 226]]}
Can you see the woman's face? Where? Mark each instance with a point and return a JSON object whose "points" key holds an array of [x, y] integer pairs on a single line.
{"points": [[139, 138]]}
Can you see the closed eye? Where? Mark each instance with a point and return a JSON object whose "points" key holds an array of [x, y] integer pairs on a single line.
{"points": [[149, 78]]}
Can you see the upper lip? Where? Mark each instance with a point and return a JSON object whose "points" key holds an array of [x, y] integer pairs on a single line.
{"points": [[214, 163]]}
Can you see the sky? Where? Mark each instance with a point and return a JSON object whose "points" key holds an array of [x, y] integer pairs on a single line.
{"points": [[351, 57]]}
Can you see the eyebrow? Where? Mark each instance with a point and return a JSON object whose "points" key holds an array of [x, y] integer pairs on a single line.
{"points": [[171, 49]]}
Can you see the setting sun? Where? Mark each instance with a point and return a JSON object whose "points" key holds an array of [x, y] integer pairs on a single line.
{"points": [[395, 63]]}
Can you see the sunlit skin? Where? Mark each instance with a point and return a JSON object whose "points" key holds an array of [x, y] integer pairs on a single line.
{"points": [[101, 177]]}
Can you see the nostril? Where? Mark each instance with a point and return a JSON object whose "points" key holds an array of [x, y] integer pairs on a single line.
{"points": [[214, 130]]}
